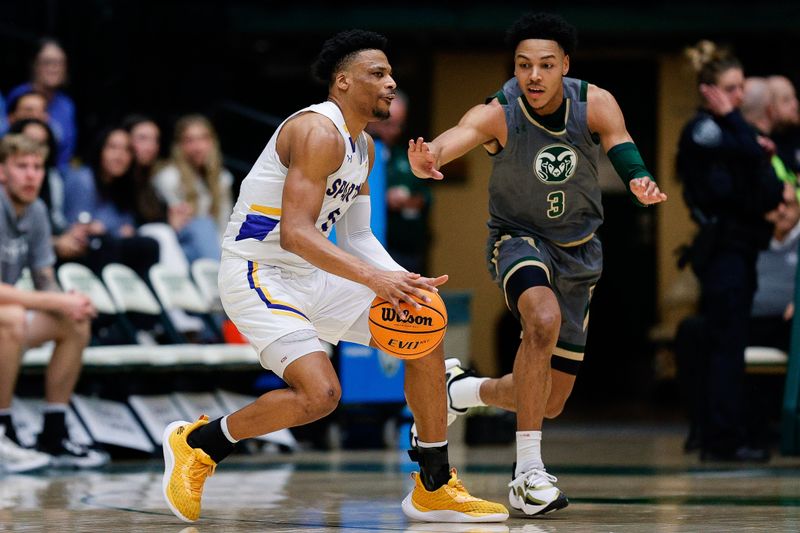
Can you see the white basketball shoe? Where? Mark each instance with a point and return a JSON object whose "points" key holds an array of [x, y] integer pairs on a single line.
{"points": [[534, 493], [15, 459]]}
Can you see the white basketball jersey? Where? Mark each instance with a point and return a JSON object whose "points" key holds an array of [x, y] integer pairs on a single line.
{"points": [[254, 230]]}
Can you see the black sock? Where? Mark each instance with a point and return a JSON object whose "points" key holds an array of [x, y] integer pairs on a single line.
{"points": [[211, 440], [54, 429], [11, 433], [434, 467]]}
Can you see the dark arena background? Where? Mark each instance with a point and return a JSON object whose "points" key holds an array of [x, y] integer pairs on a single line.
{"points": [[618, 447]]}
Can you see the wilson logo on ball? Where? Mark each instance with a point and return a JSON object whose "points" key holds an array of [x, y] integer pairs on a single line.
{"points": [[411, 333], [390, 315]]}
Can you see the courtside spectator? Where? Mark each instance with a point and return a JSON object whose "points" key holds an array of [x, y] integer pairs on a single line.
{"points": [[49, 74], [30, 318], [146, 143], [69, 241], [102, 196], [196, 178], [28, 105], [784, 109]]}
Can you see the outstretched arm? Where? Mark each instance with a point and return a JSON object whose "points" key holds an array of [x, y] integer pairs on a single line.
{"points": [[480, 125], [605, 118]]}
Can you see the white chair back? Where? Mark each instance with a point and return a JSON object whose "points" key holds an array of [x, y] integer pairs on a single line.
{"points": [[205, 273], [128, 290], [79, 278], [25, 281], [175, 290]]}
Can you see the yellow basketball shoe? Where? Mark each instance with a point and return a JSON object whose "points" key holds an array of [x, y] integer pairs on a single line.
{"points": [[185, 470], [450, 503]]}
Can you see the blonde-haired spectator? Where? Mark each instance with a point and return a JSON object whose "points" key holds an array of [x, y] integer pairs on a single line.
{"points": [[196, 183], [31, 318]]}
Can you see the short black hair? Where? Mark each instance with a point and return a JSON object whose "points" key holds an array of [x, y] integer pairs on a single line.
{"points": [[546, 26], [134, 119], [341, 48], [20, 125], [13, 103]]}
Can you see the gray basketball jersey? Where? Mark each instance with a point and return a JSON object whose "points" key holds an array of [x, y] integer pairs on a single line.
{"points": [[544, 181]]}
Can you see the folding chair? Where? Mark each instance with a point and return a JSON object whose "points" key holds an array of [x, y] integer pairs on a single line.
{"points": [[204, 274], [132, 295], [176, 291], [79, 278], [25, 281], [111, 326]]}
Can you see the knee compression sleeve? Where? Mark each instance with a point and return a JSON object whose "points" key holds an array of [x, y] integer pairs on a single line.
{"points": [[284, 351], [522, 280]]}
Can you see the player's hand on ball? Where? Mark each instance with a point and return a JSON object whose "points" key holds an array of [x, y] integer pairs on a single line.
{"points": [[422, 160], [647, 191], [400, 286]]}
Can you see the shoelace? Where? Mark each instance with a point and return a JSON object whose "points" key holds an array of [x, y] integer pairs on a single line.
{"points": [[74, 448], [531, 476], [198, 471], [456, 484]]}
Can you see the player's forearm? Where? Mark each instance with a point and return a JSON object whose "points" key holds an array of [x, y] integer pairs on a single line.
{"points": [[354, 236], [315, 248], [451, 145], [36, 300]]}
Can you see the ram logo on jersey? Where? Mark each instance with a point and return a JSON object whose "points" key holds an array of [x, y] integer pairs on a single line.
{"points": [[555, 163]]}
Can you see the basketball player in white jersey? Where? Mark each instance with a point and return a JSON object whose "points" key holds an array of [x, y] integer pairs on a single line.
{"points": [[286, 286]]}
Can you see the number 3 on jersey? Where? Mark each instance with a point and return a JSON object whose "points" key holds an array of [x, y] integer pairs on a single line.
{"points": [[557, 204]]}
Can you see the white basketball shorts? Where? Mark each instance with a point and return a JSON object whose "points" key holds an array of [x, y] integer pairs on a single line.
{"points": [[267, 303]]}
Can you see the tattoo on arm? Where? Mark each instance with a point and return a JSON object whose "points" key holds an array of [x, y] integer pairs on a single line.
{"points": [[44, 279]]}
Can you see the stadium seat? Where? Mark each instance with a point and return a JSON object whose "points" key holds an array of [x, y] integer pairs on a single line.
{"points": [[177, 292], [132, 295], [79, 278], [25, 281], [204, 274]]}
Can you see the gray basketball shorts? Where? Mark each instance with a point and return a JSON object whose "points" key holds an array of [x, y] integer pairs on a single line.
{"points": [[518, 263]]}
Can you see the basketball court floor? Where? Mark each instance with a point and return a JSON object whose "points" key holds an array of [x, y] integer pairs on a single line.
{"points": [[623, 478]]}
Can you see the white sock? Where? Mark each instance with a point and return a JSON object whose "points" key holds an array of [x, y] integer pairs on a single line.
{"points": [[431, 444], [223, 424], [529, 451], [55, 408], [466, 393]]}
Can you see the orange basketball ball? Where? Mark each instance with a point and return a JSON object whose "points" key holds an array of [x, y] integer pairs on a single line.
{"points": [[415, 333]]}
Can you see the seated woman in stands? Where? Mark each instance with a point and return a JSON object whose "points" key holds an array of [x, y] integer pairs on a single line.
{"points": [[195, 182], [100, 196]]}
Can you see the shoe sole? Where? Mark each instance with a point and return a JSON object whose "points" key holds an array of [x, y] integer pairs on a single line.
{"points": [[555, 505], [32, 466], [169, 466], [68, 463], [93, 459], [447, 516]]}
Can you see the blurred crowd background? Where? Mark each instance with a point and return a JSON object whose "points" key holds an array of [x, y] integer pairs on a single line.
{"points": [[192, 91]]}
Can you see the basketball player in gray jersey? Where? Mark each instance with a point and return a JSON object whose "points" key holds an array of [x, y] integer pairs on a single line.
{"points": [[543, 132]]}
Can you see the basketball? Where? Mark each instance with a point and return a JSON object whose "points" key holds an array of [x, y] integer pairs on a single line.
{"points": [[415, 333]]}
